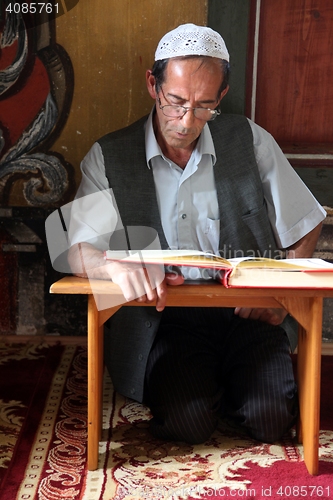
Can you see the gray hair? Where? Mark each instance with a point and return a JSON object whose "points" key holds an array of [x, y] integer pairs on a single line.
{"points": [[159, 68]]}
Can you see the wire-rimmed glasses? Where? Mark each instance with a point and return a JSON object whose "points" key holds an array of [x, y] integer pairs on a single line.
{"points": [[176, 111]]}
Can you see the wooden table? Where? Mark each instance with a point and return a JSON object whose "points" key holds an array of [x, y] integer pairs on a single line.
{"points": [[306, 306]]}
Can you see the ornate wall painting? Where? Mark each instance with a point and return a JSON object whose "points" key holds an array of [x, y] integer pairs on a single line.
{"points": [[36, 88]]}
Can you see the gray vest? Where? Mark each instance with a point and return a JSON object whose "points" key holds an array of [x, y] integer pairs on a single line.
{"points": [[244, 227]]}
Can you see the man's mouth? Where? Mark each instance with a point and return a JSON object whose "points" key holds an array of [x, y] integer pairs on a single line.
{"points": [[182, 134]]}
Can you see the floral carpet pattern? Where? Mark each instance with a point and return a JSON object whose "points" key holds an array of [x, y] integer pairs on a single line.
{"points": [[43, 432], [46, 422]]}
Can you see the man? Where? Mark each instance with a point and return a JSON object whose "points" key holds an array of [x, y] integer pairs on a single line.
{"points": [[209, 184]]}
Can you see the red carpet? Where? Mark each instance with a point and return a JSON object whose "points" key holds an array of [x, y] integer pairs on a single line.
{"points": [[42, 421], [43, 443]]}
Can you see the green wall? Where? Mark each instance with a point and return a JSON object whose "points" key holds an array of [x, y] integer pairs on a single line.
{"points": [[230, 19]]}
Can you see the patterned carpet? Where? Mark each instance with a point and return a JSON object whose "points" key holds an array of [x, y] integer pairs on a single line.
{"points": [[43, 409]]}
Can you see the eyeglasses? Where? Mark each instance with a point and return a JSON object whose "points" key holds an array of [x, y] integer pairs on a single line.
{"points": [[175, 111]]}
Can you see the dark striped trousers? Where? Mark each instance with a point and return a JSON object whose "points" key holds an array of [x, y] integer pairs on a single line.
{"points": [[207, 363]]}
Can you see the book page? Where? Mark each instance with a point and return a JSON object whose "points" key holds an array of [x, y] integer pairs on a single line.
{"points": [[192, 258], [282, 264]]}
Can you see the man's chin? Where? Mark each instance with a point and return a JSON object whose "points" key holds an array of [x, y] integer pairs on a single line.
{"points": [[181, 142]]}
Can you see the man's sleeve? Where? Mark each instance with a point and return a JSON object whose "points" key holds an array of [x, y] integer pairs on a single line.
{"points": [[93, 214], [292, 209]]}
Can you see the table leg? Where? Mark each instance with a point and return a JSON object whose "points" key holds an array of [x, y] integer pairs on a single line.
{"points": [[100, 346], [309, 370], [96, 320], [308, 312], [95, 373]]}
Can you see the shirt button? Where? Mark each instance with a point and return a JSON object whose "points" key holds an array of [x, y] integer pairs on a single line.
{"points": [[140, 357], [132, 390], [148, 324], [184, 216]]}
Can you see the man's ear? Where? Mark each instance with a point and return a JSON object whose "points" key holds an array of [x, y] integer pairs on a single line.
{"points": [[150, 81], [223, 93]]}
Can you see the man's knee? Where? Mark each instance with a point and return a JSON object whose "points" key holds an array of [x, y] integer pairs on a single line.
{"points": [[273, 421]]}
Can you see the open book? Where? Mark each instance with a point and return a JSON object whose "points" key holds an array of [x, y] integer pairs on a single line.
{"points": [[239, 272]]}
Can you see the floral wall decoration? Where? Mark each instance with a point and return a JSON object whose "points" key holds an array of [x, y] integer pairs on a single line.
{"points": [[36, 89]]}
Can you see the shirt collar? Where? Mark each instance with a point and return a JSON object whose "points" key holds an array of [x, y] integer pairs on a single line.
{"points": [[205, 143]]}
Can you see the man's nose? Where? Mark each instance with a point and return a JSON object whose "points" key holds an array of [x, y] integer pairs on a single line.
{"points": [[189, 117]]}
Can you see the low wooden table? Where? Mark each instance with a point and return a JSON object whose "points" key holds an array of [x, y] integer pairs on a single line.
{"points": [[306, 306]]}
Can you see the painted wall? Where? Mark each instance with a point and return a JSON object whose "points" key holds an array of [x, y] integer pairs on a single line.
{"points": [[111, 43]]}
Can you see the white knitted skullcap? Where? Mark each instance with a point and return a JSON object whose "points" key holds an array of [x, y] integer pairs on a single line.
{"points": [[188, 40]]}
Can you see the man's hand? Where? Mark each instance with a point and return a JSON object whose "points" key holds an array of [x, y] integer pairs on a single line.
{"points": [[144, 284], [271, 316]]}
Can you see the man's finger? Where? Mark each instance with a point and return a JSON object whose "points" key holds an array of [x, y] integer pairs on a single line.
{"points": [[174, 279], [271, 316], [243, 312]]}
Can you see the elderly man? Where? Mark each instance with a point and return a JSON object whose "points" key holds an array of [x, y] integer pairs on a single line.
{"points": [[208, 181]]}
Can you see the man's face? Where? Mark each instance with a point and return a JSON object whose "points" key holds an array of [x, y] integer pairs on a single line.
{"points": [[191, 83]]}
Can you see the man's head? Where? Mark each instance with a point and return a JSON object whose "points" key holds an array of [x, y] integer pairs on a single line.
{"points": [[191, 70]]}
